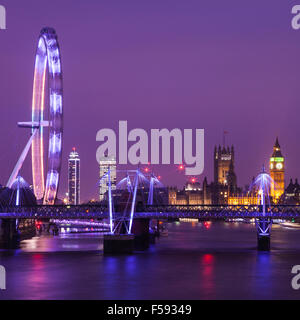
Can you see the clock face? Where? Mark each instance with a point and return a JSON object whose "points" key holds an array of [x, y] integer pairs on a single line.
{"points": [[279, 166], [271, 166]]}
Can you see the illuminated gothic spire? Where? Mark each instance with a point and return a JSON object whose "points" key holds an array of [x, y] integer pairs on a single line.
{"points": [[276, 149]]}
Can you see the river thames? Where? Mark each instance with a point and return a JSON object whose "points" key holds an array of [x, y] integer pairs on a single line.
{"points": [[195, 261]]}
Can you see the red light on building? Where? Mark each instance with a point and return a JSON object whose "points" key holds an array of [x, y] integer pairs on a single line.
{"points": [[207, 224]]}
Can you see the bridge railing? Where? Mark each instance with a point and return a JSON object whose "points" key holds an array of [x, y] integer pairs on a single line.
{"points": [[57, 211], [164, 211], [222, 208]]}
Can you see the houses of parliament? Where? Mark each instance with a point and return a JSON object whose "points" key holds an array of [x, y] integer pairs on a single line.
{"points": [[224, 189]]}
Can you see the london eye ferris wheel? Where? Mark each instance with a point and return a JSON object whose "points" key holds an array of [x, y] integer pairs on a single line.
{"points": [[47, 120]]}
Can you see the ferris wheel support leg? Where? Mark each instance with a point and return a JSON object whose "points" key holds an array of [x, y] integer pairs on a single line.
{"points": [[21, 160]]}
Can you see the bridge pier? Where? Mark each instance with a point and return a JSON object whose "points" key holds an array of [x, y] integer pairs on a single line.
{"points": [[140, 229], [264, 234], [263, 242], [139, 240], [118, 244], [9, 234]]}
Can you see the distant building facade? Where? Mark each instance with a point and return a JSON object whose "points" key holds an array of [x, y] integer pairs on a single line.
{"points": [[292, 193], [107, 163], [277, 171], [223, 162], [225, 179], [74, 178], [192, 194], [245, 198], [223, 190]]}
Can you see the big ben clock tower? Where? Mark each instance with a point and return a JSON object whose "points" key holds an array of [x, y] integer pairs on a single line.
{"points": [[277, 168]]}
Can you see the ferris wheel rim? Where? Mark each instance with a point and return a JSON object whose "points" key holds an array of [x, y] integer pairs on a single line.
{"points": [[47, 70]]}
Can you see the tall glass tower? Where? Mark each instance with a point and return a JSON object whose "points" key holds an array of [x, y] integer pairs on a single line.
{"points": [[107, 163], [74, 178]]}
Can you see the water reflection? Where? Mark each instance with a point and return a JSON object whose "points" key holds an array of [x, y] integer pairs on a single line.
{"points": [[193, 262], [208, 271], [263, 274]]}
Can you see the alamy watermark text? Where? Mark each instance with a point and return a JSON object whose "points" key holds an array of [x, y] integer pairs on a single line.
{"points": [[187, 149], [2, 278], [296, 278], [296, 17], [2, 18]]}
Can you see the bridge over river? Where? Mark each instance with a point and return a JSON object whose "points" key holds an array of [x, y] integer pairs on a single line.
{"points": [[283, 212]]}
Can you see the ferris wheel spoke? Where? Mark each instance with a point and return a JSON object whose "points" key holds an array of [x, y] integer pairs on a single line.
{"points": [[21, 160], [33, 125]]}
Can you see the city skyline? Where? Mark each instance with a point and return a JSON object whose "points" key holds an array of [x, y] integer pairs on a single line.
{"points": [[215, 74], [149, 152], [225, 155]]}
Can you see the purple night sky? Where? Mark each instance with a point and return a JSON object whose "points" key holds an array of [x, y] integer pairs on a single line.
{"points": [[219, 65]]}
